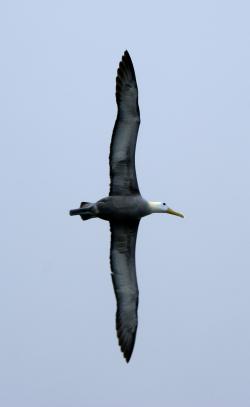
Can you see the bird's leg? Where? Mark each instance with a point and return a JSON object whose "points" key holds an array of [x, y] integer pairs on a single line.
{"points": [[79, 211]]}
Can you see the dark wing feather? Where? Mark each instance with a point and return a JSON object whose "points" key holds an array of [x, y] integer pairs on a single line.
{"points": [[122, 260], [123, 143]]}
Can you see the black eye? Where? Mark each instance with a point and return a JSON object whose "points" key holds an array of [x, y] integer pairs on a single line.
{"points": [[164, 203]]}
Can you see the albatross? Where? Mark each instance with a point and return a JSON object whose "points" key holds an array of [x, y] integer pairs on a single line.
{"points": [[124, 207]]}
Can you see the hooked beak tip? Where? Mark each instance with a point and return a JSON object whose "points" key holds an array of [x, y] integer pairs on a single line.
{"points": [[172, 212]]}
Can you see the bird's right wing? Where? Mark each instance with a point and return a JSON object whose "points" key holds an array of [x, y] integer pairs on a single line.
{"points": [[122, 149], [122, 260]]}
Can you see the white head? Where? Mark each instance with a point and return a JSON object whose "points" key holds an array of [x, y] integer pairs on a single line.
{"points": [[162, 207]]}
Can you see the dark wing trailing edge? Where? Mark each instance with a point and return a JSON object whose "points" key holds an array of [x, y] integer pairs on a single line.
{"points": [[122, 260], [123, 143]]}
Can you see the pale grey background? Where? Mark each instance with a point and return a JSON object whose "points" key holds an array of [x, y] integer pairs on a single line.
{"points": [[58, 64]]}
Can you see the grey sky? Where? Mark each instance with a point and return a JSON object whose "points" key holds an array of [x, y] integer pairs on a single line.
{"points": [[57, 308]]}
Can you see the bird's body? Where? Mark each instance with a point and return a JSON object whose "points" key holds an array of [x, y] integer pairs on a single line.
{"points": [[117, 208], [124, 207]]}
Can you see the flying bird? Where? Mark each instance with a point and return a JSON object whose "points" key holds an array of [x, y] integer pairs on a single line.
{"points": [[124, 207]]}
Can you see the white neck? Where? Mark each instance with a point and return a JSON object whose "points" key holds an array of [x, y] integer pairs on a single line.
{"points": [[157, 207]]}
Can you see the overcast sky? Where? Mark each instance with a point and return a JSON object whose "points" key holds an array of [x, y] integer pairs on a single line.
{"points": [[58, 345]]}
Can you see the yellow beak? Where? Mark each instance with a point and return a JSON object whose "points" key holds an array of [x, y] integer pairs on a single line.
{"points": [[171, 212]]}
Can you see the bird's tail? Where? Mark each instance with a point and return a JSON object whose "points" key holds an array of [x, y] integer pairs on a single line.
{"points": [[86, 211]]}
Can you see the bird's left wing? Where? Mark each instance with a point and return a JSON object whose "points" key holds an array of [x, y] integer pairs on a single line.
{"points": [[122, 260], [122, 149]]}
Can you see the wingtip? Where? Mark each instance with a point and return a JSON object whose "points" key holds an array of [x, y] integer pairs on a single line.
{"points": [[125, 74], [126, 346], [127, 355], [127, 359], [126, 56]]}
